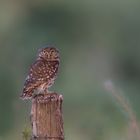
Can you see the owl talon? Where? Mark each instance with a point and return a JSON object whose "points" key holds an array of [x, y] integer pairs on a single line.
{"points": [[54, 97], [38, 95], [43, 98]]}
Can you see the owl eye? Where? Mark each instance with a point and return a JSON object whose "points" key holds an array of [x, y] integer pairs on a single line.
{"points": [[53, 53]]}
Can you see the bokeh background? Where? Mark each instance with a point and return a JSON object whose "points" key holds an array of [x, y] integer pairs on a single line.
{"points": [[98, 41]]}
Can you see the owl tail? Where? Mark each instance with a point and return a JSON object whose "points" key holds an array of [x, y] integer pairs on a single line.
{"points": [[26, 96]]}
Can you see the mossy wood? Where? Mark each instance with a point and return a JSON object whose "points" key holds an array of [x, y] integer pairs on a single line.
{"points": [[46, 117]]}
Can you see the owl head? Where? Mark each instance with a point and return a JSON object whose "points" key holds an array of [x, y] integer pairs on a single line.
{"points": [[49, 53]]}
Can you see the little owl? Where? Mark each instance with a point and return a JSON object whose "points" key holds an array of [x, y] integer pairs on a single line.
{"points": [[42, 72]]}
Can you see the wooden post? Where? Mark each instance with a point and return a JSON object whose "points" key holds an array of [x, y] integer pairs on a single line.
{"points": [[46, 117]]}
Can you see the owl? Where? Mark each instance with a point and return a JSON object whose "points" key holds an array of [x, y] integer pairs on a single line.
{"points": [[42, 72]]}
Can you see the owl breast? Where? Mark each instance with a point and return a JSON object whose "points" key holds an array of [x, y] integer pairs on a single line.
{"points": [[51, 69], [50, 72]]}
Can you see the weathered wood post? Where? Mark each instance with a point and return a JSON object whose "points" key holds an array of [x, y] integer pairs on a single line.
{"points": [[46, 117]]}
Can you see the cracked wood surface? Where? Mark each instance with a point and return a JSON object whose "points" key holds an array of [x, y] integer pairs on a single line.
{"points": [[46, 117]]}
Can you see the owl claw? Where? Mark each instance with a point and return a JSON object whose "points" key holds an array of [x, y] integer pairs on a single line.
{"points": [[54, 97], [43, 98]]}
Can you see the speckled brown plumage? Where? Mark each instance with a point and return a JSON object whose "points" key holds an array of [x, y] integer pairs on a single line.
{"points": [[42, 73]]}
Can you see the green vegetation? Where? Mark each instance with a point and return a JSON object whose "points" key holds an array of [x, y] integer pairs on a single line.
{"points": [[26, 133]]}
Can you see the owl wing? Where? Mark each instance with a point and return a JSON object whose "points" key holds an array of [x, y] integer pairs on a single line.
{"points": [[35, 78]]}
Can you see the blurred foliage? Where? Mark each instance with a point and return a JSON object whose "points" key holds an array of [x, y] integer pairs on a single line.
{"points": [[26, 133], [98, 40]]}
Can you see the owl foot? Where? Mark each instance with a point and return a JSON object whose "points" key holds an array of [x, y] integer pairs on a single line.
{"points": [[43, 98], [54, 96], [38, 95], [51, 97]]}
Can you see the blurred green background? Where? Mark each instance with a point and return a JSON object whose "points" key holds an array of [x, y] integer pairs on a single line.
{"points": [[98, 41]]}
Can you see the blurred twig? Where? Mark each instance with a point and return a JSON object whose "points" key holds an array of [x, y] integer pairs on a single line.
{"points": [[125, 105]]}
